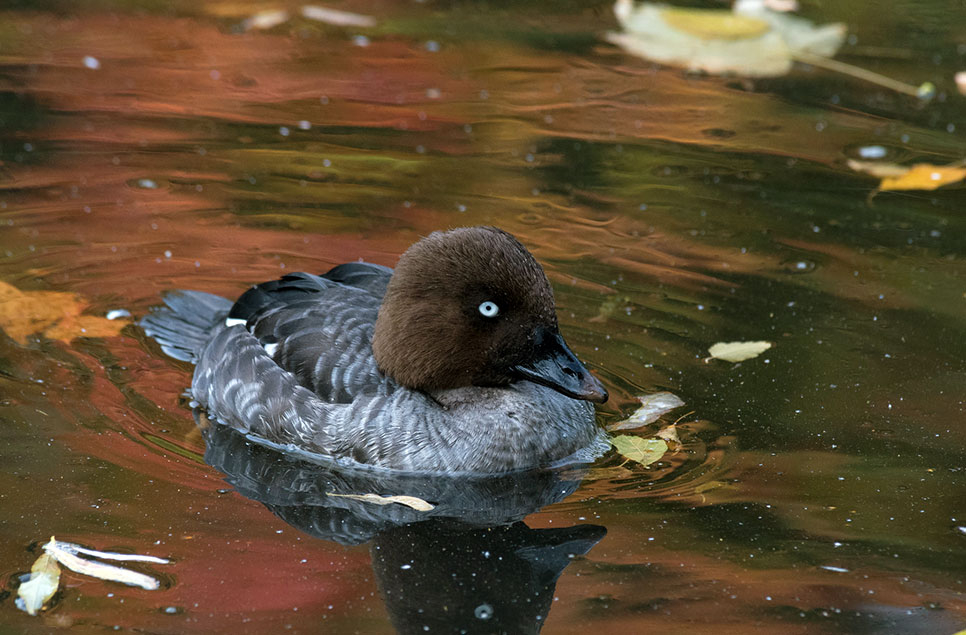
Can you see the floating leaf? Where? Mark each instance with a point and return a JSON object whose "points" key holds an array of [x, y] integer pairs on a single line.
{"points": [[754, 43], [753, 40], [652, 407], [670, 434], [265, 19], [738, 351], [42, 585], [409, 501], [66, 554], [643, 451], [336, 17], [55, 314], [924, 176], [921, 176]]}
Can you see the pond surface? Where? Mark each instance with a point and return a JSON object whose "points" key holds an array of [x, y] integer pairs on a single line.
{"points": [[819, 488]]}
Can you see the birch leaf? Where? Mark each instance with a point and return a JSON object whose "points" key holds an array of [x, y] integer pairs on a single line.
{"points": [[753, 43], [652, 407], [42, 585], [738, 351], [409, 501], [643, 451]]}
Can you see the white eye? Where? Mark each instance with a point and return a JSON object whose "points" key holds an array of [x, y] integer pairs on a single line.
{"points": [[489, 309]]}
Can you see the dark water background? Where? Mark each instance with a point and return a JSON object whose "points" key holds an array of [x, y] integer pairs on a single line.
{"points": [[150, 145]]}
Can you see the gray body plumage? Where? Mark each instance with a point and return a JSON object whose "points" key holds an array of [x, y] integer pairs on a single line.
{"points": [[300, 371]]}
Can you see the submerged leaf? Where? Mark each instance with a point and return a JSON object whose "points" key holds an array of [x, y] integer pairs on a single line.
{"points": [[55, 314], [409, 501], [643, 451], [652, 407], [738, 351], [42, 585]]}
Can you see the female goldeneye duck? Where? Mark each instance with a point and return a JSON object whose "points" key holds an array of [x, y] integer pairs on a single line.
{"points": [[451, 363]]}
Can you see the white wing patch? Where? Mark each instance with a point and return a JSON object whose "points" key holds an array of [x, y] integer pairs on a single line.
{"points": [[270, 349], [235, 321]]}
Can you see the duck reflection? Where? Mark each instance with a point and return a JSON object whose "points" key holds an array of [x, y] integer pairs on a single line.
{"points": [[469, 565]]}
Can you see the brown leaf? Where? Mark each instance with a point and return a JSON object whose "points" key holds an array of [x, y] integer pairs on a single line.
{"points": [[55, 314]]}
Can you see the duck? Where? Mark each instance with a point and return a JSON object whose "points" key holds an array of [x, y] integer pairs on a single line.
{"points": [[451, 363]]}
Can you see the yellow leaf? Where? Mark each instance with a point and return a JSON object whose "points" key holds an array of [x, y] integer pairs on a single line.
{"points": [[738, 351], [924, 176], [921, 176], [712, 24], [409, 501], [42, 585], [643, 451], [55, 314]]}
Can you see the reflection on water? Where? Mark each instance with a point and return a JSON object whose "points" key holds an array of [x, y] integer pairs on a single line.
{"points": [[467, 565], [820, 485]]}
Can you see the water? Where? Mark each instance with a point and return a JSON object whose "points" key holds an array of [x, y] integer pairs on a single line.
{"points": [[819, 488]]}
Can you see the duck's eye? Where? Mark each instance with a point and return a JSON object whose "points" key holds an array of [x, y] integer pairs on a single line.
{"points": [[489, 309]]}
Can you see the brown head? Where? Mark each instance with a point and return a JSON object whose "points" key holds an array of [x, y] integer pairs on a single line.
{"points": [[472, 306]]}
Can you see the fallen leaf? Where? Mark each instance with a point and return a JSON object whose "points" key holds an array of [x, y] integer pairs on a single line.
{"points": [[756, 42], [409, 501], [336, 17], [738, 351], [66, 554], [643, 451], [877, 168], [921, 176], [652, 407], [110, 555], [55, 314], [669, 434], [755, 39], [265, 19], [42, 585]]}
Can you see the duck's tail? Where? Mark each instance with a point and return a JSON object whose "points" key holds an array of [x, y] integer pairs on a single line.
{"points": [[183, 326]]}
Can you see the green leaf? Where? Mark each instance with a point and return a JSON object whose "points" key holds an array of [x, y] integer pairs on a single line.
{"points": [[643, 451]]}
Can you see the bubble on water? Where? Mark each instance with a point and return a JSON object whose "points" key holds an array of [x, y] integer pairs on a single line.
{"points": [[483, 612], [872, 152]]}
